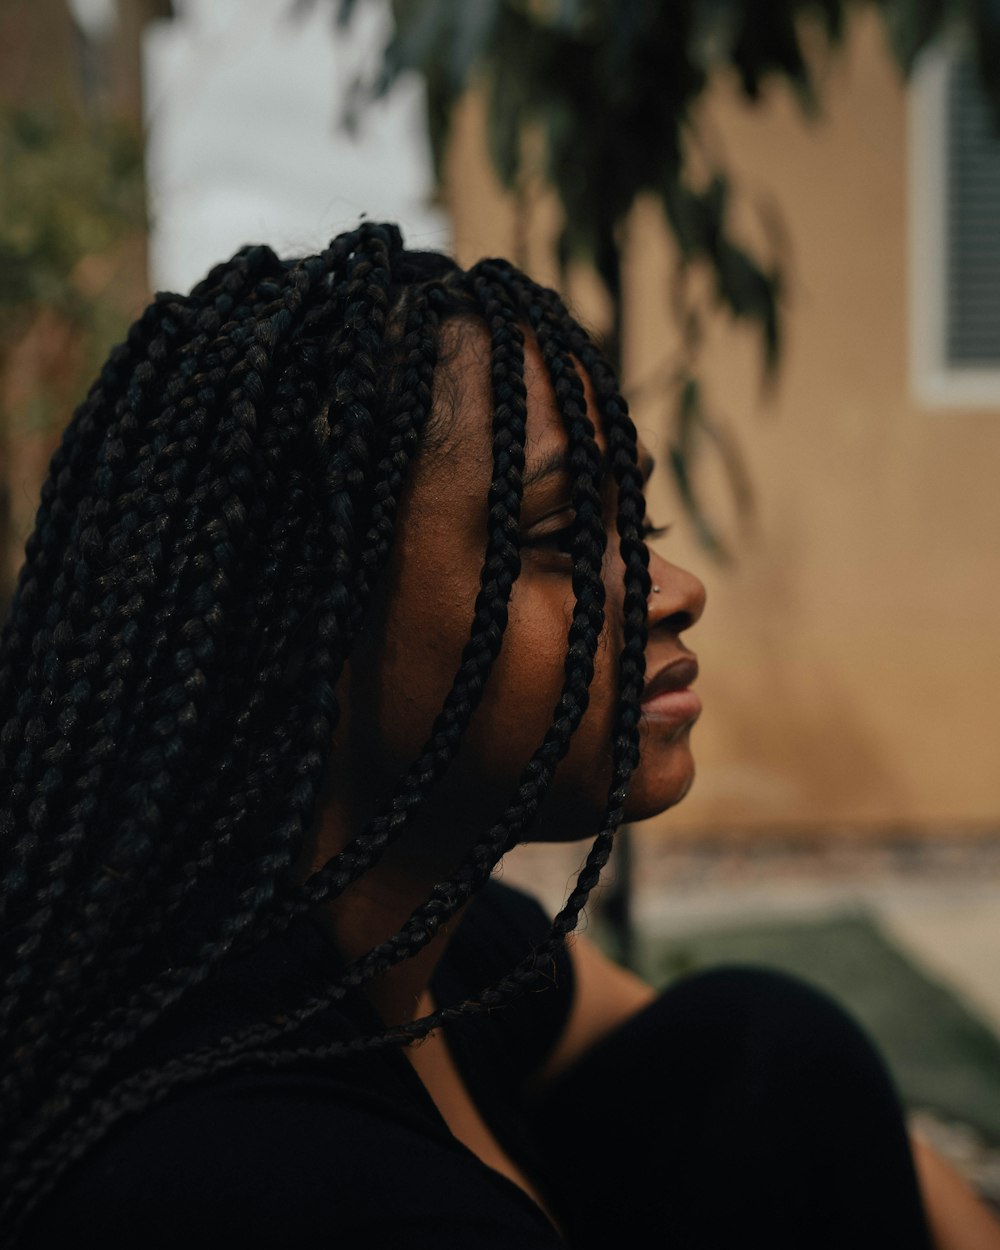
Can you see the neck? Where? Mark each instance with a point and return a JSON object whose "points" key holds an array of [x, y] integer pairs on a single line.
{"points": [[377, 905], [368, 913]]}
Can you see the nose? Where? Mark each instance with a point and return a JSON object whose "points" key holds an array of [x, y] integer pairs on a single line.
{"points": [[676, 597]]}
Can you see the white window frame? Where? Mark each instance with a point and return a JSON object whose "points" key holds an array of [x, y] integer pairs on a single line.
{"points": [[936, 382]]}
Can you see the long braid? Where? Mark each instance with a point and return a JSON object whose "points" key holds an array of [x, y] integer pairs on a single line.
{"points": [[555, 332], [501, 316], [266, 866], [48, 575], [500, 569], [63, 503], [583, 641], [404, 427], [258, 736], [498, 576], [73, 715], [549, 318], [130, 625], [144, 537]]}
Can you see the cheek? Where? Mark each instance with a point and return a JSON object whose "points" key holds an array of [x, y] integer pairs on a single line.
{"points": [[518, 707], [415, 656], [418, 657], [520, 698], [521, 702]]}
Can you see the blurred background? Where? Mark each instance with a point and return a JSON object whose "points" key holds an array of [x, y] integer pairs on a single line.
{"points": [[783, 220]]}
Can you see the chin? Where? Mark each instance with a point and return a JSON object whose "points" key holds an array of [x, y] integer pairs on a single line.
{"points": [[656, 789], [575, 806]]}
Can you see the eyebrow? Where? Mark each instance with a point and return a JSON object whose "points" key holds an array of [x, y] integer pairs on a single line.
{"points": [[558, 461]]}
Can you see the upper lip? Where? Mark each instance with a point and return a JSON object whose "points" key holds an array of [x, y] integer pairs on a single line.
{"points": [[677, 675]]}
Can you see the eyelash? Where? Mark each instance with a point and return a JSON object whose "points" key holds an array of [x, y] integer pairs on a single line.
{"points": [[561, 540]]}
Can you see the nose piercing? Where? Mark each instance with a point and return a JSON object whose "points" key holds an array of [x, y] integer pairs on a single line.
{"points": [[656, 589]]}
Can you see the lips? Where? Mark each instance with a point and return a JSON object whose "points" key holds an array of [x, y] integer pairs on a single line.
{"points": [[667, 699], [671, 678]]}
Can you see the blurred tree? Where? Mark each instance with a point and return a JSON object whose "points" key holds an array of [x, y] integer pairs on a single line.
{"points": [[70, 189], [611, 89], [72, 192], [72, 222]]}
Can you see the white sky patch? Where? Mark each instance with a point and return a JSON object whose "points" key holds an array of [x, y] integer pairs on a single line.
{"points": [[96, 18], [244, 104]]}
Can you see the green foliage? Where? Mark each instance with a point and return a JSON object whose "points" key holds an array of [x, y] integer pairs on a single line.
{"points": [[613, 86], [70, 190], [695, 432]]}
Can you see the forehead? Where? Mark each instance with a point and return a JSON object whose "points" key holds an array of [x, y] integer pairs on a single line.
{"points": [[463, 403]]}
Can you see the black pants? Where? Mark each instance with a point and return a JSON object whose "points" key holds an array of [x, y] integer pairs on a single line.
{"points": [[741, 1109]]}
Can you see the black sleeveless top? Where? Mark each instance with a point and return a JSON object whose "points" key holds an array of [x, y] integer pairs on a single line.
{"points": [[742, 1108]]}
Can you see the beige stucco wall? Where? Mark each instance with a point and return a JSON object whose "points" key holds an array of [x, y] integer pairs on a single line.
{"points": [[851, 658]]}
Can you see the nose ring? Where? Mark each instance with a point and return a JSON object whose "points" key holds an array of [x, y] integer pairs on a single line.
{"points": [[656, 589]]}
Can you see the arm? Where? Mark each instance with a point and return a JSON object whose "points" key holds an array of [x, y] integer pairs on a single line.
{"points": [[958, 1219]]}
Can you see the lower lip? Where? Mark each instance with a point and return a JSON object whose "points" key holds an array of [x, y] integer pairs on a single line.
{"points": [[675, 707]]}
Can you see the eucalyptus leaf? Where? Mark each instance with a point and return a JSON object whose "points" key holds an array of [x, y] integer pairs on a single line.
{"points": [[910, 26], [613, 88], [986, 28]]}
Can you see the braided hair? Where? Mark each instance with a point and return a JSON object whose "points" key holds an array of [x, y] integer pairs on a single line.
{"points": [[209, 537]]}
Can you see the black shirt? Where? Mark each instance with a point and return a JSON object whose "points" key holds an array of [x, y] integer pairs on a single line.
{"points": [[346, 1151], [741, 1109]]}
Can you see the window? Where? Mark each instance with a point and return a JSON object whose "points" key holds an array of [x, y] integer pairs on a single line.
{"points": [[955, 236]]}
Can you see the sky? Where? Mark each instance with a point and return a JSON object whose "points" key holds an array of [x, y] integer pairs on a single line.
{"points": [[246, 142]]}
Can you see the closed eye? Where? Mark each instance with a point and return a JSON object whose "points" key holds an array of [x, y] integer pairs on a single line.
{"points": [[560, 541]]}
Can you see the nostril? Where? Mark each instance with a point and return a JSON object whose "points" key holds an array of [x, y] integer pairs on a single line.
{"points": [[676, 597], [676, 622]]}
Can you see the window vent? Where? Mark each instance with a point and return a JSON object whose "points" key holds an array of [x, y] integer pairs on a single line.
{"points": [[973, 226], [954, 227]]}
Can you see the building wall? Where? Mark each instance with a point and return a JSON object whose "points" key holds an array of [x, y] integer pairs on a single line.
{"points": [[851, 675]]}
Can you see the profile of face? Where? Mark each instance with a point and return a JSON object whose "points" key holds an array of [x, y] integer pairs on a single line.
{"points": [[400, 673]]}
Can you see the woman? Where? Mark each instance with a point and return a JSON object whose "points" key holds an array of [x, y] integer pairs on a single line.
{"points": [[339, 589]]}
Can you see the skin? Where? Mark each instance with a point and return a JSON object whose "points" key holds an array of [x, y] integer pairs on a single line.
{"points": [[398, 677], [400, 673], [422, 621], [397, 680], [958, 1220]]}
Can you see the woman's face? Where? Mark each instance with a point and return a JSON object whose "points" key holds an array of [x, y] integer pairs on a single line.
{"points": [[407, 659]]}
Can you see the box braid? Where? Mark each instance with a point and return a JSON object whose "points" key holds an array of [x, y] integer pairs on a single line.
{"points": [[210, 534], [57, 648], [499, 573], [134, 846], [379, 541]]}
